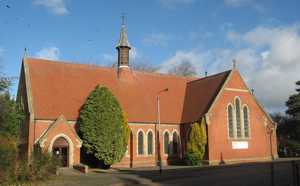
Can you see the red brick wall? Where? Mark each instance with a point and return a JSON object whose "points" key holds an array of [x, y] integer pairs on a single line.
{"points": [[218, 140], [39, 127], [133, 159]]}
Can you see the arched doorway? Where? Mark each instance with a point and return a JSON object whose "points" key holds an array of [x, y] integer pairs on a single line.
{"points": [[60, 149]]}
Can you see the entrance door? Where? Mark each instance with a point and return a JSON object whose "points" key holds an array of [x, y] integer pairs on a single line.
{"points": [[61, 151]]}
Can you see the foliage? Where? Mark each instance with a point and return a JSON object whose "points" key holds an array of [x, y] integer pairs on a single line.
{"points": [[196, 144], [102, 126], [42, 166], [8, 157], [145, 67], [293, 105], [10, 115], [185, 68], [5, 83], [14, 170], [126, 128]]}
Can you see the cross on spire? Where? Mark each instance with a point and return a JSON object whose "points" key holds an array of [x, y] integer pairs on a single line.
{"points": [[123, 19]]}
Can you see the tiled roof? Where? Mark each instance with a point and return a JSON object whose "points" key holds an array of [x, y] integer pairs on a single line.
{"points": [[62, 88], [200, 94]]}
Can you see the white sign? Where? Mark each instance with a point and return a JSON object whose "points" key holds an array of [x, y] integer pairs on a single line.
{"points": [[239, 144]]}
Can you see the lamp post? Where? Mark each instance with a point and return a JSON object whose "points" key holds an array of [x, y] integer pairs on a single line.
{"points": [[270, 132], [158, 130]]}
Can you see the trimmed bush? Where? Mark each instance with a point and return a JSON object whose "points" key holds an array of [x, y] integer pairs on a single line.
{"points": [[103, 128], [196, 145]]}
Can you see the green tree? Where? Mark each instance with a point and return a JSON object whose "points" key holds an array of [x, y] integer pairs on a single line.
{"points": [[293, 105], [126, 128], [197, 141], [102, 126], [10, 115]]}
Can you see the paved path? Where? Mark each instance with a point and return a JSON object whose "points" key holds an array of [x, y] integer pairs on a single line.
{"points": [[255, 174]]}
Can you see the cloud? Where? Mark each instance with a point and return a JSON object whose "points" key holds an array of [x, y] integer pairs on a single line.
{"points": [[243, 3], [175, 3], [49, 53], [57, 7], [156, 39], [270, 62], [267, 57], [192, 57]]}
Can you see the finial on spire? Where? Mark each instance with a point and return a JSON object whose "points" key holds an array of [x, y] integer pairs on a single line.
{"points": [[25, 52], [123, 19], [234, 64]]}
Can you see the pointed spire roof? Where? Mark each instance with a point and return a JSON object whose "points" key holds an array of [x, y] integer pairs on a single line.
{"points": [[123, 42]]}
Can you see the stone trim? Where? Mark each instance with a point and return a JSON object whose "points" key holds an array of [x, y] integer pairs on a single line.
{"points": [[71, 147], [163, 136], [237, 90], [28, 90], [153, 142], [60, 119], [243, 121], [137, 143], [178, 142], [233, 123], [51, 121], [123, 66]]}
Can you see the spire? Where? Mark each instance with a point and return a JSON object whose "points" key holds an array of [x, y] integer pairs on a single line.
{"points": [[233, 64], [123, 47], [123, 42]]}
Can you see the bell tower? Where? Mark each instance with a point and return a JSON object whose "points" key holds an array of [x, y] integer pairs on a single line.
{"points": [[123, 47]]}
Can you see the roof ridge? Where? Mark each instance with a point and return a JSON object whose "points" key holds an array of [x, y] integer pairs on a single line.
{"points": [[162, 74], [188, 78], [214, 75], [67, 62]]}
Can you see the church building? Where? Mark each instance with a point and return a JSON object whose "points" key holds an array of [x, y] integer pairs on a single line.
{"points": [[53, 92]]}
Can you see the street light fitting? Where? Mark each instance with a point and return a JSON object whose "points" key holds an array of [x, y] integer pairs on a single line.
{"points": [[163, 90]]}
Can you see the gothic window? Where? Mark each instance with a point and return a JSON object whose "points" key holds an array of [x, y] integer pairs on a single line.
{"points": [[246, 121], [238, 118], [150, 142], [140, 143], [230, 121], [175, 143], [166, 143]]}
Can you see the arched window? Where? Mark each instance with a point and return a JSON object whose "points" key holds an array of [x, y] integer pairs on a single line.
{"points": [[246, 121], [166, 143], [230, 121], [175, 143], [150, 142], [238, 118], [140, 143]]}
